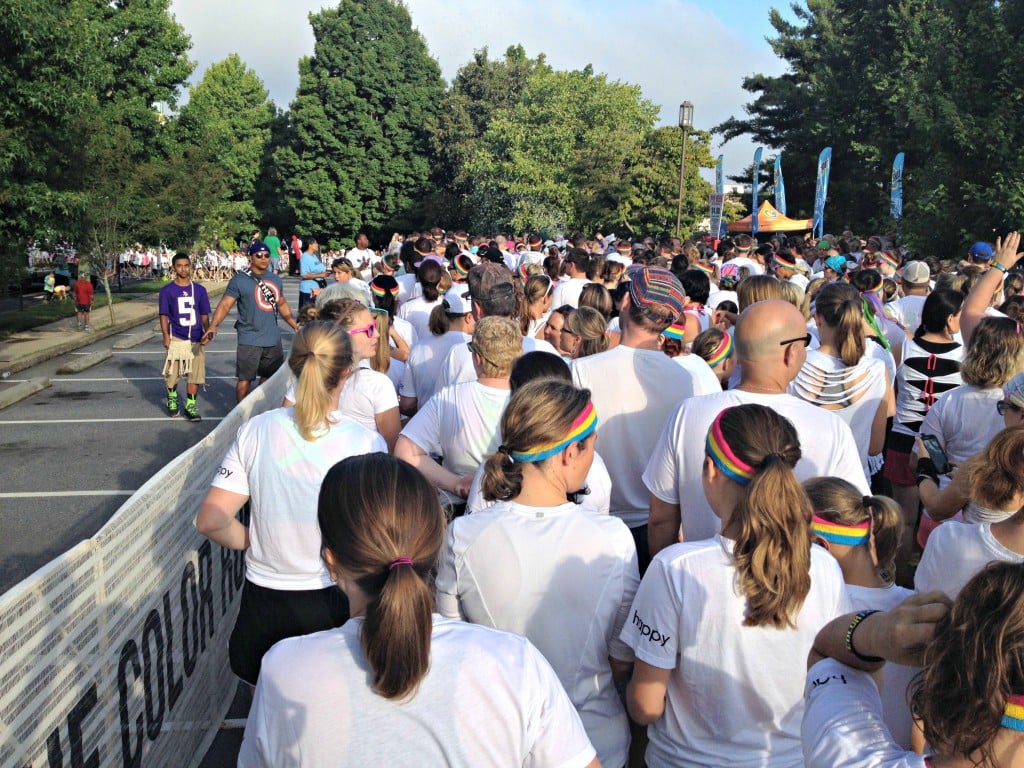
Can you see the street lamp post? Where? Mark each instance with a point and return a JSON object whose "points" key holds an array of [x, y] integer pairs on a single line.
{"points": [[686, 123]]}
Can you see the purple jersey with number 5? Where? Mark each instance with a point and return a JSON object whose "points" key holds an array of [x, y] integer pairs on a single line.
{"points": [[184, 306]]}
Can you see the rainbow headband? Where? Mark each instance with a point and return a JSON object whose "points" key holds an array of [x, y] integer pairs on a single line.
{"points": [[381, 292], [674, 331], [837, 533], [1013, 714], [707, 269], [891, 260], [727, 461], [583, 426], [722, 353]]}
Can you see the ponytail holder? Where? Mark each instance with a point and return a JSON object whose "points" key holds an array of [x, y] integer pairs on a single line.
{"points": [[399, 561], [773, 455], [508, 454], [866, 501]]}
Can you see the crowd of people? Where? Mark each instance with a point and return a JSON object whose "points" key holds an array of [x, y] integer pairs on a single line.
{"points": [[587, 501]]}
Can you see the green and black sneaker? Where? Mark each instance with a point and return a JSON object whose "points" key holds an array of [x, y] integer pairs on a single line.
{"points": [[191, 411], [172, 403]]}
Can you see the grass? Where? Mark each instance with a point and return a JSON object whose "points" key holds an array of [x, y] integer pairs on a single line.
{"points": [[150, 286], [38, 314]]}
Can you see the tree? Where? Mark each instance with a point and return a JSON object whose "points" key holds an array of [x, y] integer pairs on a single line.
{"points": [[871, 78], [526, 147], [227, 119], [359, 154]]}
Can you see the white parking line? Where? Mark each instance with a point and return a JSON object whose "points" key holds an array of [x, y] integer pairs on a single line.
{"points": [[51, 494], [166, 419]]}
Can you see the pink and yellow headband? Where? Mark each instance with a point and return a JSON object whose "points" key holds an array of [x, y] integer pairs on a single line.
{"points": [[718, 449], [583, 426], [837, 533], [723, 352], [675, 331], [1013, 713]]}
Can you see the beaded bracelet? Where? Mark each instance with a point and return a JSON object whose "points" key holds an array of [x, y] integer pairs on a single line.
{"points": [[849, 637]]}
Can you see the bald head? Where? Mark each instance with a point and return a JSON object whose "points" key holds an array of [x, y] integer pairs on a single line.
{"points": [[761, 328]]}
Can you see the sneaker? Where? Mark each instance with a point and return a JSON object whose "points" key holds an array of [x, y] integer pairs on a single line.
{"points": [[78, 326], [191, 411], [88, 327], [172, 404]]}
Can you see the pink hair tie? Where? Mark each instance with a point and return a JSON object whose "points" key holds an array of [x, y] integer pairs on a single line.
{"points": [[399, 561]]}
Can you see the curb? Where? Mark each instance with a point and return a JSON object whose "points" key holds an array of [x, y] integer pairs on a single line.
{"points": [[83, 340], [19, 392], [79, 364], [134, 340]]}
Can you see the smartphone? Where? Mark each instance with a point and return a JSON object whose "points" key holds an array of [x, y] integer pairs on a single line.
{"points": [[936, 454]]}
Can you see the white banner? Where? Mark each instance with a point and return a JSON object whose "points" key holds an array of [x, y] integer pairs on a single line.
{"points": [[115, 653], [715, 204]]}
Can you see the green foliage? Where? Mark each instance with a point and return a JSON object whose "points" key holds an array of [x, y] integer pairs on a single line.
{"points": [[358, 155], [227, 120], [522, 146], [937, 79]]}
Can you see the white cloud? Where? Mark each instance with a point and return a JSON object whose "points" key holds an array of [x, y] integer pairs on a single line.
{"points": [[674, 50]]}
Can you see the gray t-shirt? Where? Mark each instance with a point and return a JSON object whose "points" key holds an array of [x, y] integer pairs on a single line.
{"points": [[257, 317]]}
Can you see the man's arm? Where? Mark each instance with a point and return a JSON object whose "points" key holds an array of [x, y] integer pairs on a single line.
{"points": [[223, 307], [663, 523], [286, 313], [165, 329]]}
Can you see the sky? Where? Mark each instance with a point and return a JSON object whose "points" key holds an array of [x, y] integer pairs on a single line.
{"points": [[675, 50]]}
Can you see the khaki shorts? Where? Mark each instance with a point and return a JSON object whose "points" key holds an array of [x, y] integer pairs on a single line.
{"points": [[198, 373]]}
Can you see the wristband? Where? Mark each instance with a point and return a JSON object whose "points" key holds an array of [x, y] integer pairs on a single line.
{"points": [[849, 637], [999, 266]]}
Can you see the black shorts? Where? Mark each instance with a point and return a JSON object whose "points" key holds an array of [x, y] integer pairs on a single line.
{"points": [[263, 362], [83, 307], [269, 615]]}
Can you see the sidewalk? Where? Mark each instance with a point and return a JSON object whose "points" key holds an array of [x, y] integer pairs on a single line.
{"points": [[28, 348]]}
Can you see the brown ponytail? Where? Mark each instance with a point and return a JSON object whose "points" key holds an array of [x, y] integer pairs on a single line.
{"points": [[773, 540], [839, 305], [839, 501], [381, 522], [539, 412]]}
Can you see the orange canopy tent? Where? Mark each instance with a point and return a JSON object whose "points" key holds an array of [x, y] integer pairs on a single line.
{"points": [[770, 220]]}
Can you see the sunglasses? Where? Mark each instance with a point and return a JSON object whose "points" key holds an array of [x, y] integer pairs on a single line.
{"points": [[370, 330], [1003, 405], [805, 339]]}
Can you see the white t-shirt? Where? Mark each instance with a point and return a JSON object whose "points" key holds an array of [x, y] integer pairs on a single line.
{"points": [[568, 292], [417, 312], [598, 482], [964, 419], [458, 365], [955, 553], [703, 374], [853, 393], [408, 287], [907, 311], [744, 261], [735, 695], [897, 676], [366, 393], [843, 725], [461, 424], [562, 576], [634, 392], [281, 472], [422, 376], [674, 471], [717, 297], [488, 699]]}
